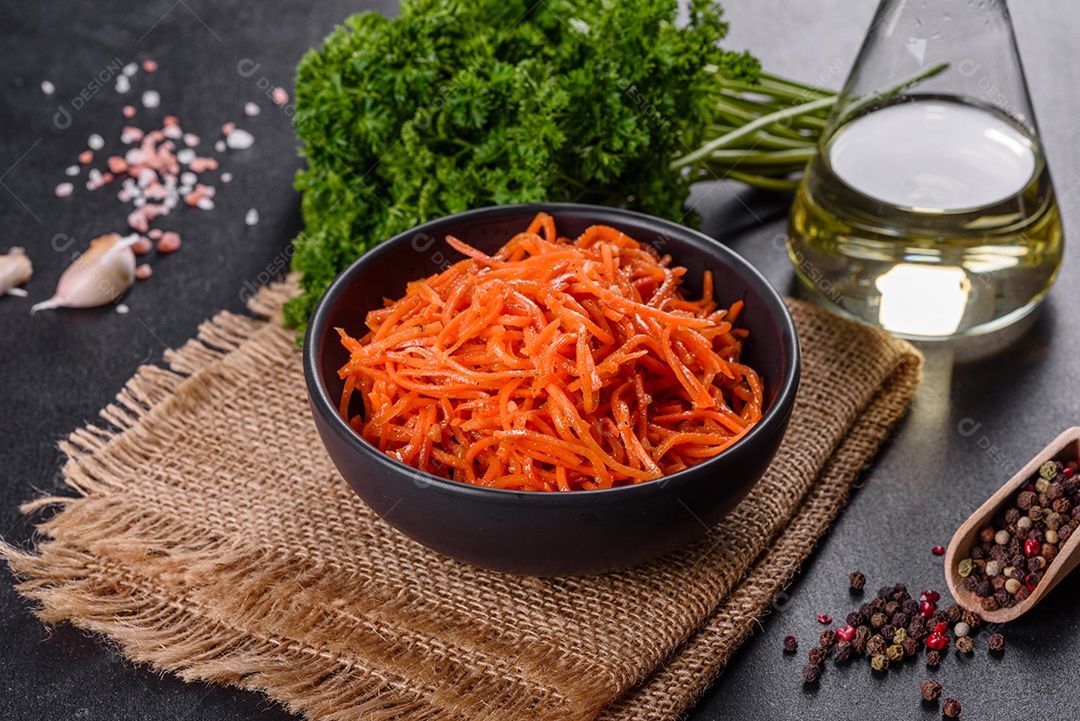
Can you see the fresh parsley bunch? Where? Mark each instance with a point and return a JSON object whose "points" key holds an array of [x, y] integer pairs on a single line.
{"points": [[460, 104]]}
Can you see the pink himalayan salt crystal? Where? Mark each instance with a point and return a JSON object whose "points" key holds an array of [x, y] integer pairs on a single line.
{"points": [[86, 156], [149, 66], [280, 96], [201, 165], [155, 233], [129, 111], [228, 128], [143, 272], [169, 243], [64, 190], [142, 246]]}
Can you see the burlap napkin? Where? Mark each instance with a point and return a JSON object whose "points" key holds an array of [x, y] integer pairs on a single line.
{"points": [[212, 538]]}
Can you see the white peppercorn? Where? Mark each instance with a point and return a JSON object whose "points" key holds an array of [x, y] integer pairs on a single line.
{"points": [[961, 629], [1024, 524], [992, 569], [1012, 586], [1051, 537], [1002, 537]]}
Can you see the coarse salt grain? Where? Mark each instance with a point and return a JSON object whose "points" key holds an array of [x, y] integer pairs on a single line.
{"points": [[122, 84], [252, 217], [251, 109], [188, 178], [228, 128], [155, 233], [239, 139], [280, 96], [71, 170], [172, 131], [47, 87], [96, 142], [144, 271], [86, 156], [191, 139], [130, 69], [64, 190], [169, 243], [185, 156], [205, 204], [149, 66], [143, 245], [122, 309], [129, 111], [226, 177], [220, 146], [151, 99]]}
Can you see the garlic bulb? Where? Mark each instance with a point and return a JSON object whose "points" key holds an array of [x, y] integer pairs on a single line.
{"points": [[15, 269], [100, 275]]}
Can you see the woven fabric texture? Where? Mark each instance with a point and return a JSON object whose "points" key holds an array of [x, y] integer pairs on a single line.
{"points": [[211, 537]]}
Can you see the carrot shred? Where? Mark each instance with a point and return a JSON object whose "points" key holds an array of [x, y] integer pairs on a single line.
{"points": [[554, 364]]}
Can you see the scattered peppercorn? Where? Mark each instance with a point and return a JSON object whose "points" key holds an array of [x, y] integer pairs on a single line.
{"points": [[876, 646], [811, 673], [879, 662], [910, 646], [817, 655], [894, 653], [828, 638], [950, 708], [964, 644], [844, 652], [933, 658], [961, 629], [824, 618], [931, 690], [997, 642], [857, 580], [791, 644], [938, 550]]}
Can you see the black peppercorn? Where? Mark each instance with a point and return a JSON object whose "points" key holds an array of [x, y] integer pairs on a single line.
{"points": [[866, 611], [940, 616], [972, 619], [891, 608], [977, 553], [1025, 500], [1012, 516], [828, 638], [970, 583], [931, 690], [844, 652], [900, 588], [1036, 513], [876, 645], [910, 607], [990, 604], [983, 589], [1061, 505], [965, 644], [1004, 599], [884, 592], [859, 644], [811, 673], [955, 612], [1053, 491], [877, 605], [933, 658], [855, 619], [900, 620], [888, 631], [950, 707], [817, 655], [879, 662], [910, 646], [1063, 533], [996, 642], [857, 580], [917, 630], [878, 620]]}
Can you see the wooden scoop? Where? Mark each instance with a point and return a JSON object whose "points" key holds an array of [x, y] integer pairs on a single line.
{"points": [[1066, 447]]}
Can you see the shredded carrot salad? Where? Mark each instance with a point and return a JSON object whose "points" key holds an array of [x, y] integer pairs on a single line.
{"points": [[552, 365]]}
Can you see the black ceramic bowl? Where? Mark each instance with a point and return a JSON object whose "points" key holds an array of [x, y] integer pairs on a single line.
{"points": [[550, 533]]}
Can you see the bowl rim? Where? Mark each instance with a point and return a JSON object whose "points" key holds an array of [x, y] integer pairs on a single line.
{"points": [[770, 422]]}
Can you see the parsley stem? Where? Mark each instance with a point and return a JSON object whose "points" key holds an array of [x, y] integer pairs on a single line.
{"points": [[761, 122]]}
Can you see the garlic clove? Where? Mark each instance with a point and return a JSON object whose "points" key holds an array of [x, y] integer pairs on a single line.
{"points": [[15, 269], [99, 276]]}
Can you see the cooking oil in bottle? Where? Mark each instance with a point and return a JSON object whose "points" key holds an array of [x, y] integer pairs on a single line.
{"points": [[930, 216]]}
